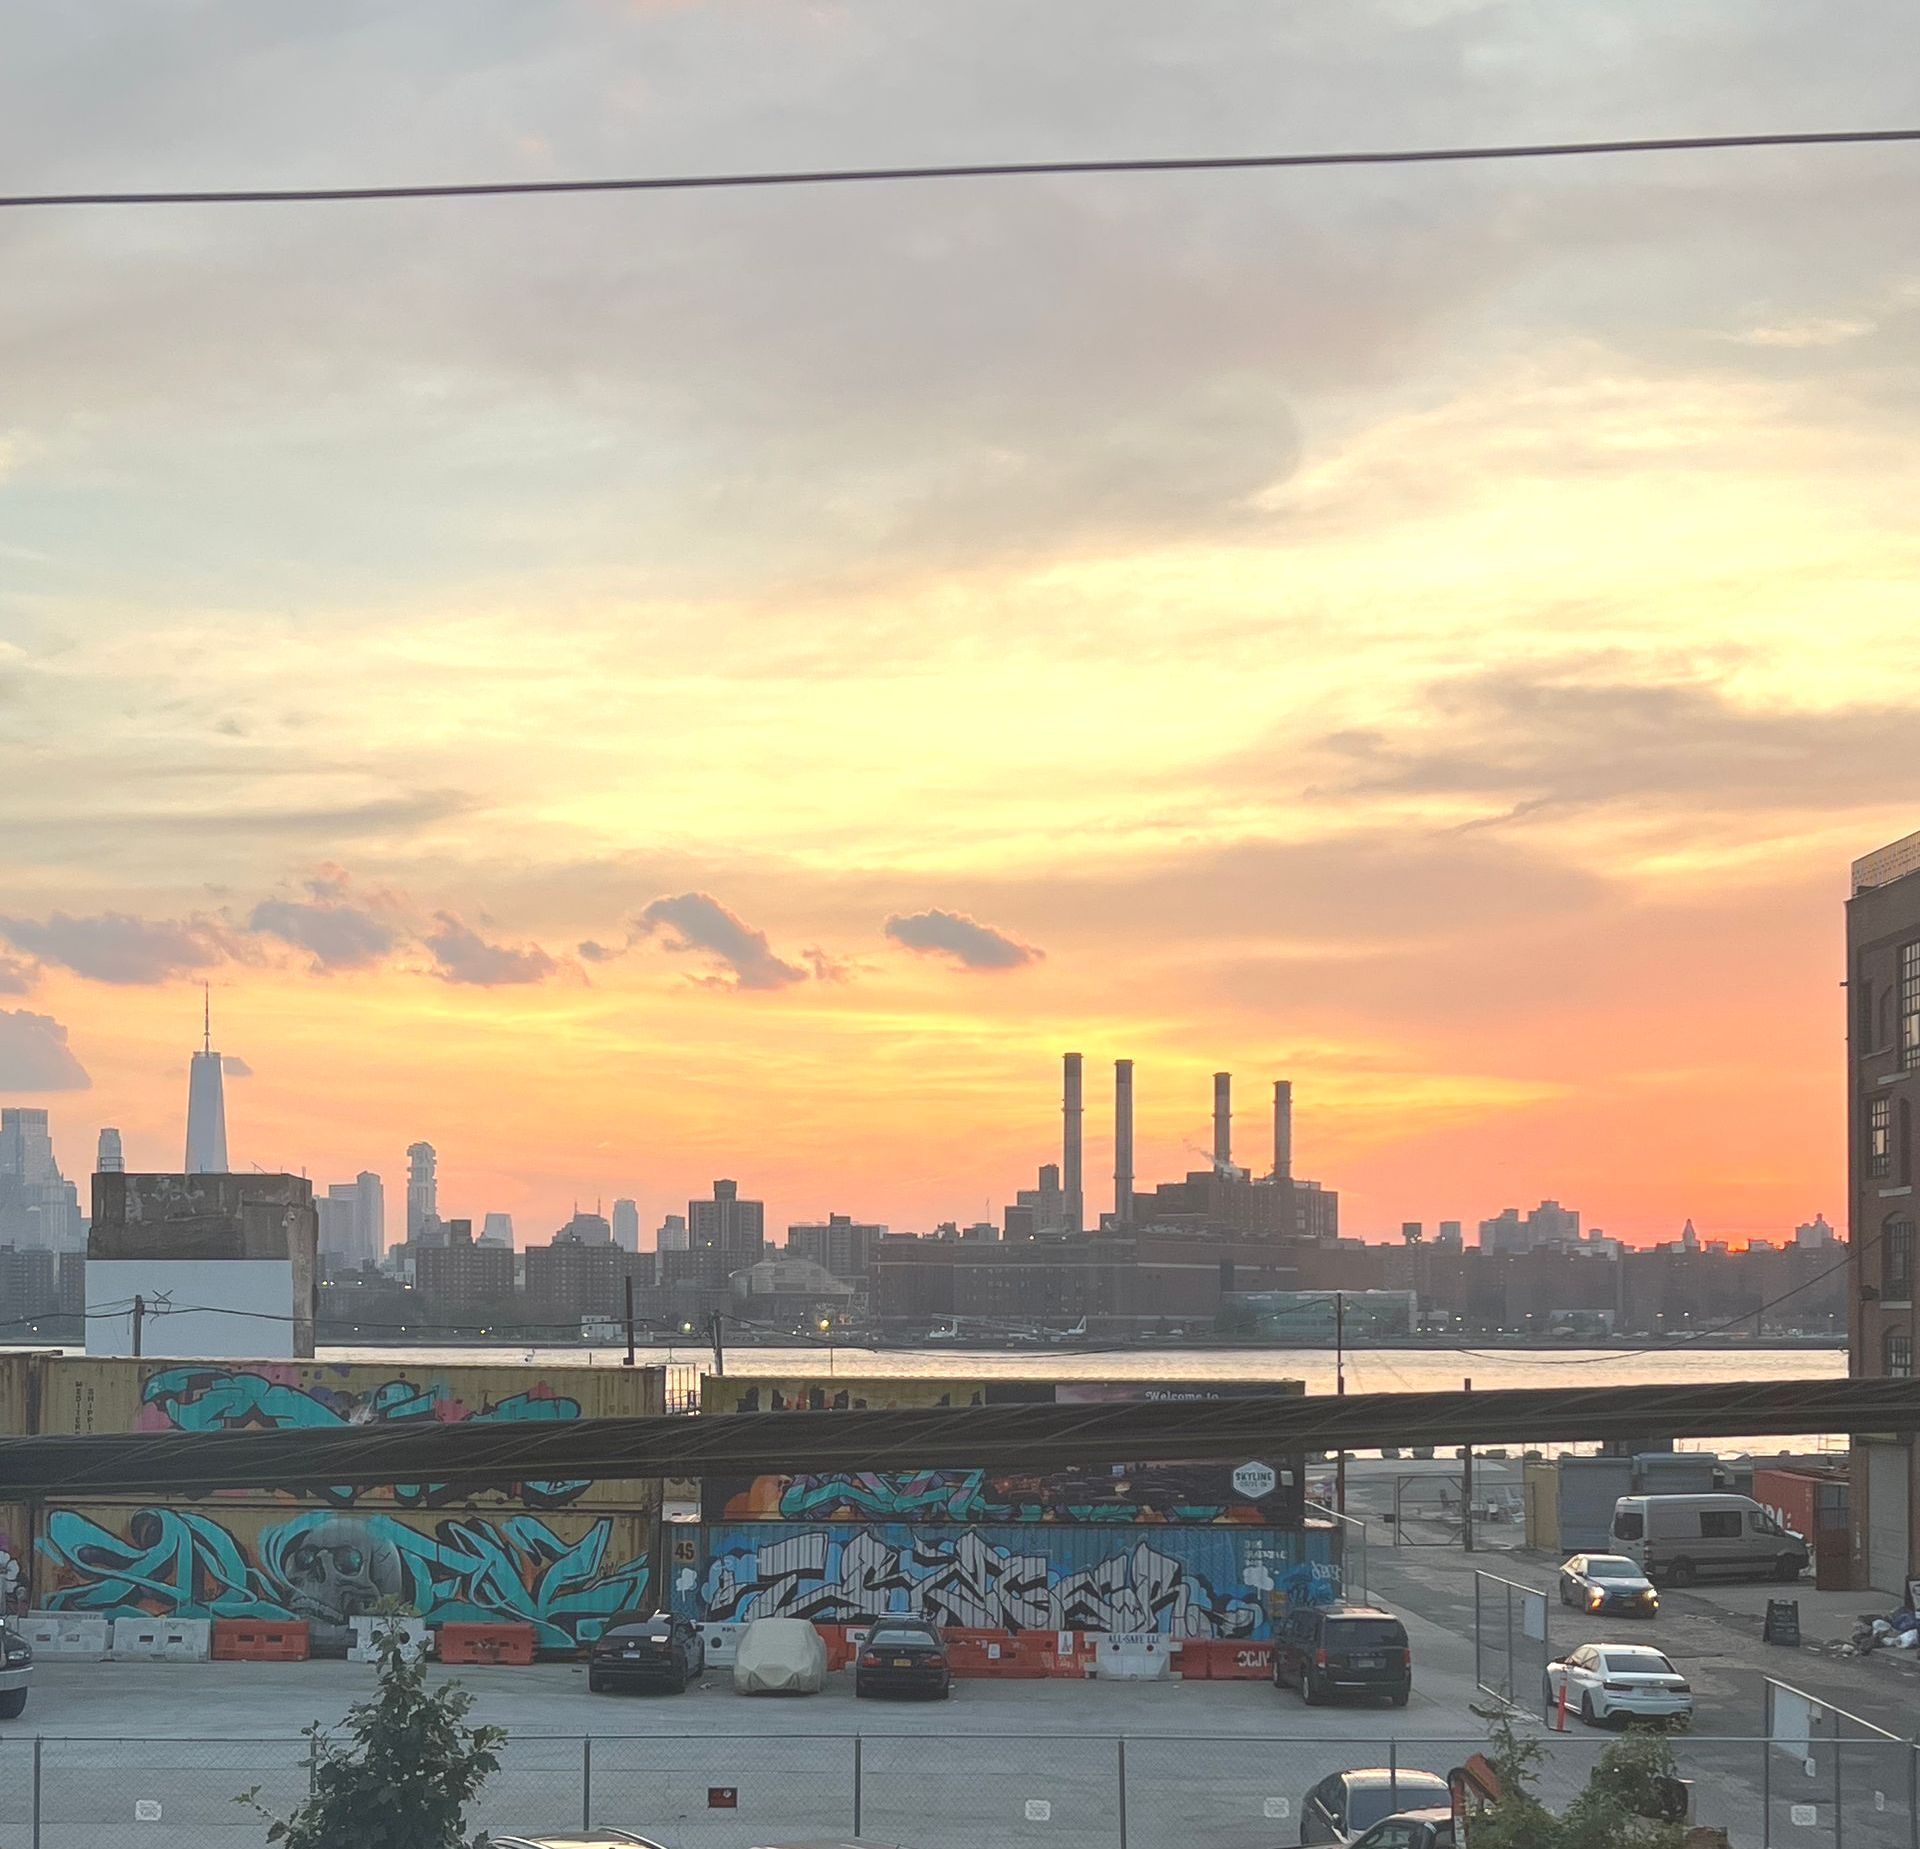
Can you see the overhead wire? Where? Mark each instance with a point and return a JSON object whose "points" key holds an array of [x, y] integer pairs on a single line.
{"points": [[960, 170]]}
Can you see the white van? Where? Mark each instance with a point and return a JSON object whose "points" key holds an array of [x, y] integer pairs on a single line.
{"points": [[1675, 1540]]}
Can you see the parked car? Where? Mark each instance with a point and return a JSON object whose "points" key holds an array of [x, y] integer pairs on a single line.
{"points": [[1344, 1806], [780, 1656], [625, 1839], [1616, 1683], [1675, 1540], [653, 1649], [1608, 1583], [1330, 1650], [903, 1656], [594, 1839], [16, 1672], [1412, 1829]]}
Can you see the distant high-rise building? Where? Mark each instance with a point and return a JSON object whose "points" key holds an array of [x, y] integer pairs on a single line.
{"points": [[206, 1106], [672, 1235], [463, 1272], [626, 1225], [839, 1244], [423, 1189], [728, 1228], [497, 1230], [109, 1159], [589, 1228], [1816, 1232], [38, 1205], [369, 1217], [337, 1212], [1549, 1224], [1039, 1209]]}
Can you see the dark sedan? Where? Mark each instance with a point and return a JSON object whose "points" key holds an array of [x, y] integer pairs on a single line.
{"points": [[903, 1656], [652, 1651], [1609, 1583]]}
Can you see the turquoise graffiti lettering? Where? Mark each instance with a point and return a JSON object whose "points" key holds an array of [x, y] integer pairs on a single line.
{"points": [[327, 1569], [203, 1399]]}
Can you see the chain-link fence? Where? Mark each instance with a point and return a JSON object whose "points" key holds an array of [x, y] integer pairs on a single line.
{"points": [[1816, 1783], [1510, 1653], [1832, 1778]]}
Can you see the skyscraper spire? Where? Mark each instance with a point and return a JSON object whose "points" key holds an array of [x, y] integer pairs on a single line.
{"points": [[206, 1103]]}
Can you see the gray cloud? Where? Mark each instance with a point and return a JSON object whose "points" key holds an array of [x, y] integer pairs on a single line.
{"points": [[338, 935], [116, 947], [696, 922], [34, 1055], [591, 952], [969, 943], [463, 955], [17, 977], [235, 1067], [1533, 742]]}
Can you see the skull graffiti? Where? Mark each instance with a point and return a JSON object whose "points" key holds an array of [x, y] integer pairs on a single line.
{"points": [[338, 1571]]}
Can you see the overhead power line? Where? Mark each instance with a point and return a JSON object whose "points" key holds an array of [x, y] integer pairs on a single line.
{"points": [[970, 170]]}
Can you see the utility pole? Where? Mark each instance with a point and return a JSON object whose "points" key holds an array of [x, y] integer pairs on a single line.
{"points": [[719, 1350], [1466, 1491], [629, 1360], [1340, 1392], [139, 1315]]}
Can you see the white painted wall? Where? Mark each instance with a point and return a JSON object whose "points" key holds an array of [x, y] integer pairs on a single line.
{"points": [[179, 1292]]}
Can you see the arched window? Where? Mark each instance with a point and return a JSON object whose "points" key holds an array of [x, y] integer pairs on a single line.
{"points": [[1897, 1352]]}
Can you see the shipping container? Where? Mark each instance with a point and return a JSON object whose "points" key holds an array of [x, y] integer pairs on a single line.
{"points": [[1804, 1500], [1186, 1582], [82, 1394], [563, 1573]]}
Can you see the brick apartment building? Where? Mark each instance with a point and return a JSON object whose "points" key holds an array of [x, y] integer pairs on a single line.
{"points": [[1883, 1094], [461, 1273]]}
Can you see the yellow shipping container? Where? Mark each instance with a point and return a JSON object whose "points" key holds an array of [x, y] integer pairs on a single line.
{"points": [[564, 1573], [817, 1393], [82, 1394]]}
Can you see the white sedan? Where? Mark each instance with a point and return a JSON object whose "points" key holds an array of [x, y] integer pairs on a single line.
{"points": [[1611, 1684]]}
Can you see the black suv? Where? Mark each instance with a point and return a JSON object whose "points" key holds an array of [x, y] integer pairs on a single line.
{"points": [[646, 1648], [1343, 1650]]}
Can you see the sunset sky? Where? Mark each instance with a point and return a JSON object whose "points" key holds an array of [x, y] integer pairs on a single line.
{"points": [[634, 689]]}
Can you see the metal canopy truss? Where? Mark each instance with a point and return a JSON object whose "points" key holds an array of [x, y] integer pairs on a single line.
{"points": [[1040, 1437]]}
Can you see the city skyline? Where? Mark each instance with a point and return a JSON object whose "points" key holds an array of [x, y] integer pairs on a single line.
{"points": [[1437, 633]]}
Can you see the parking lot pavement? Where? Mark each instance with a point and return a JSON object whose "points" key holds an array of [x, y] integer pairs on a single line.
{"points": [[1712, 1632], [1237, 1756], [161, 1701]]}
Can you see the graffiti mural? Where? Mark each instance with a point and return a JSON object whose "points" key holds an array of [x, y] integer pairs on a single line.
{"points": [[1134, 1494], [813, 1393], [262, 1396], [1183, 1583], [565, 1577]]}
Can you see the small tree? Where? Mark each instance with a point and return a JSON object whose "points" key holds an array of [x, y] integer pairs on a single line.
{"points": [[404, 1774], [1621, 1807]]}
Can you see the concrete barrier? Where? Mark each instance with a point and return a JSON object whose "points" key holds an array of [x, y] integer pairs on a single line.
{"points": [[167, 1640], [1134, 1657], [60, 1633], [367, 1631]]}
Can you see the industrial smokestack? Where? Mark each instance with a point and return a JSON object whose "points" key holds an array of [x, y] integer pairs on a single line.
{"points": [[1222, 1119], [1070, 1144], [1123, 1141], [1283, 1129]]}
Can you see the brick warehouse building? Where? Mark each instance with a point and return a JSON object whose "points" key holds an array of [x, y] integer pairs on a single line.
{"points": [[1883, 1095]]}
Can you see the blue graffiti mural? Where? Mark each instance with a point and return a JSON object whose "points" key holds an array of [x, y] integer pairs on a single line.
{"points": [[1198, 1582], [1146, 1495], [328, 1569], [217, 1399]]}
